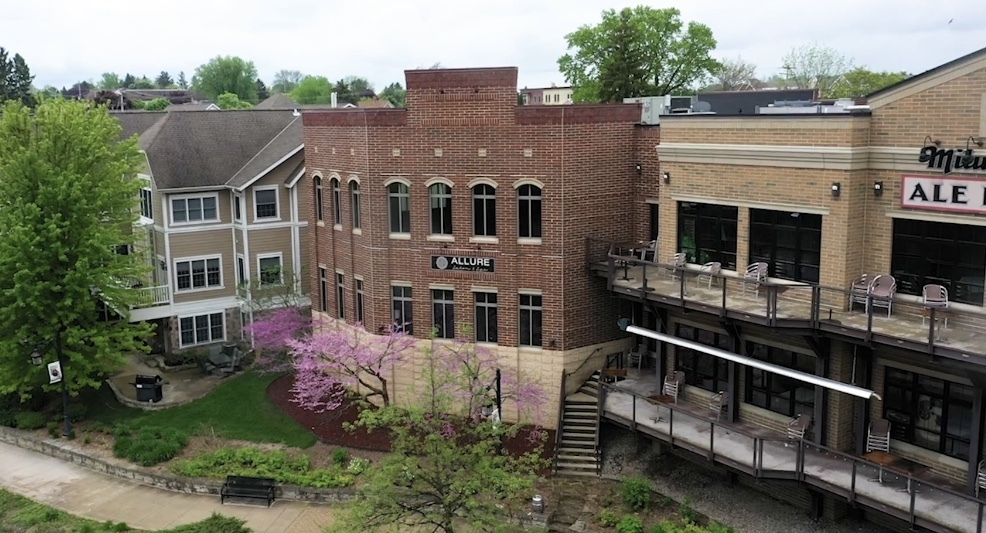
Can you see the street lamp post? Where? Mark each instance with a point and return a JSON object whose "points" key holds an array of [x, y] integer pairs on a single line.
{"points": [[37, 359]]}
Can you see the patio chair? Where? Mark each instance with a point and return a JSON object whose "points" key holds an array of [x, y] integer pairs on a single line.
{"points": [[755, 275], [717, 403], [673, 383], [882, 292], [635, 357], [981, 477], [936, 296], [678, 261], [878, 436], [649, 251], [708, 273], [858, 290], [797, 428]]}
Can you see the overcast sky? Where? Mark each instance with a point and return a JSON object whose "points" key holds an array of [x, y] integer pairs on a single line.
{"points": [[65, 41]]}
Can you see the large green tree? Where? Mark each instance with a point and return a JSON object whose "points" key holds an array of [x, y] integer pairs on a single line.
{"points": [[640, 51], [816, 66], [164, 80], [109, 81], [861, 82], [313, 90], [68, 202], [227, 74], [395, 94], [286, 81], [15, 79]]}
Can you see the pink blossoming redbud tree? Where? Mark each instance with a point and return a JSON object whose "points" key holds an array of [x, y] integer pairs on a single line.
{"points": [[271, 333]]}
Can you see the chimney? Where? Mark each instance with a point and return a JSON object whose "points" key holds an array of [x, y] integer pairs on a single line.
{"points": [[335, 100]]}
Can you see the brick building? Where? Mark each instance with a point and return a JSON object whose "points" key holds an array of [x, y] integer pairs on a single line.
{"points": [[467, 213]]}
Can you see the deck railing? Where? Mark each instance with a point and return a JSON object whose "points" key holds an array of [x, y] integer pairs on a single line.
{"points": [[151, 296]]}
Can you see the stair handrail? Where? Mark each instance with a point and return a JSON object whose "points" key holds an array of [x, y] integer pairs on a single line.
{"points": [[584, 361], [561, 418]]}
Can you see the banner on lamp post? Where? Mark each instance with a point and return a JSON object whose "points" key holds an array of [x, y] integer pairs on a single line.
{"points": [[54, 372]]}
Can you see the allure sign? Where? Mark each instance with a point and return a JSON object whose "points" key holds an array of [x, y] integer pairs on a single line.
{"points": [[950, 160], [943, 194]]}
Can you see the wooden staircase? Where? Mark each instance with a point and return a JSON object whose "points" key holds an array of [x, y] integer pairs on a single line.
{"points": [[577, 453]]}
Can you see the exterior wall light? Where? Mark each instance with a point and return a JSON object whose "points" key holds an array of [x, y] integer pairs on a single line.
{"points": [[877, 188], [666, 176], [836, 189]]}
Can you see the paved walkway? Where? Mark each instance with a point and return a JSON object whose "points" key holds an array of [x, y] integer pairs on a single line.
{"points": [[91, 494]]}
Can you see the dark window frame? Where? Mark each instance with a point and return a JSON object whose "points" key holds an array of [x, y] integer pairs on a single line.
{"points": [[336, 201], [354, 193], [402, 308], [484, 210], [319, 206], [530, 213], [323, 289], [696, 365], [360, 300], [789, 242], [531, 320], [399, 207], [910, 403], [776, 393], [951, 255], [486, 317], [713, 233], [440, 208], [341, 294], [443, 313]]}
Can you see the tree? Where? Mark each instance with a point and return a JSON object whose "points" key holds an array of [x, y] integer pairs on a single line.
{"points": [[285, 81], [361, 87], [109, 81], [637, 52], [48, 91], [734, 75], [262, 92], [182, 82], [278, 313], [143, 82], [231, 101], [128, 81], [164, 81], [15, 79], [334, 357], [814, 66], [64, 212], [345, 93], [313, 90], [395, 94], [227, 74], [447, 468], [861, 82], [157, 104]]}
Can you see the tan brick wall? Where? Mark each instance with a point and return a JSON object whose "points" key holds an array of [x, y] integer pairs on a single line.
{"points": [[803, 130]]}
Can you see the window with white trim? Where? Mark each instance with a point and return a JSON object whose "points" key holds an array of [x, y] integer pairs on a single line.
{"points": [[484, 210], [319, 211], [323, 289], [190, 209], [265, 203], [237, 207], [531, 312], [402, 306], [529, 211], [271, 271], [443, 313], [354, 190], [336, 202], [197, 274], [399, 203], [202, 329], [146, 203], [441, 209], [360, 297], [341, 294], [486, 330]]}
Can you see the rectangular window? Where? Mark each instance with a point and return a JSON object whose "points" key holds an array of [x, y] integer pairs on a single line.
{"points": [[929, 412], [265, 203], [399, 203], [443, 313], [530, 319], [192, 209], [341, 294], [655, 221], [146, 203], [529, 211], [701, 369], [486, 317], [240, 270], [336, 202], [484, 210], [194, 274], [202, 329], [237, 207], [951, 255], [270, 269], [790, 243], [401, 304], [707, 232], [360, 297], [354, 189], [319, 207], [780, 394], [323, 290], [441, 209]]}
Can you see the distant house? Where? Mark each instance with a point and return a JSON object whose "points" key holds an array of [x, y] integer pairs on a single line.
{"points": [[547, 95]]}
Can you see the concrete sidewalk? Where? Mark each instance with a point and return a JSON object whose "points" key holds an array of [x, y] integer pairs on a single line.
{"points": [[91, 494]]}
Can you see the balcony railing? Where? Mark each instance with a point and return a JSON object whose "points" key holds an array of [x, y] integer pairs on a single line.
{"points": [[769, 455], [151, 296], [781, 303]]}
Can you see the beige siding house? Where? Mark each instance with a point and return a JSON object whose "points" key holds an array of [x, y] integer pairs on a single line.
{"points": [[222, 220]]}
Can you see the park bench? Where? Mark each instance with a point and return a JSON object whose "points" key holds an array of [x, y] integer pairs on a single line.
{"points": [[260, 488]]}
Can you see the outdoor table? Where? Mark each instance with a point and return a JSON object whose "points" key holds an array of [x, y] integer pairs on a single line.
{"points": [[883, 459], [658, 400], [911, 468]]}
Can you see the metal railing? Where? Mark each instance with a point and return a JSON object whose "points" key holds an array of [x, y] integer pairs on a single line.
{"points": [[742, 447], [780, 303], [561, 418]]}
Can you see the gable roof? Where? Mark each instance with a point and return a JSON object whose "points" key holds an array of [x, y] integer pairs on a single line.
{"points": [[198, 106], [287, 143], [208, 148], [929, 78], [136, 122], [278, 101]]}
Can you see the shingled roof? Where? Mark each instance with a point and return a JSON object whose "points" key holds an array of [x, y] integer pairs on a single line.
{"points": [[287, 143], [136, 122], [209, 148], [278, 101]]}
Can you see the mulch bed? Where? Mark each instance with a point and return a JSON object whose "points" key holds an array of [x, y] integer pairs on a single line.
{"points": [[329, 426]]}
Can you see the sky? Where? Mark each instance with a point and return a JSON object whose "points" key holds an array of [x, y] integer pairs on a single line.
{"points": [[68, 41]]}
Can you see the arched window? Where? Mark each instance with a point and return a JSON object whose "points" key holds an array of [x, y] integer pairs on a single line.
{"points": [[441, 209], [484, 210], [354, 190], [399, 207], [336, 202], [319, 211], [529, 211]]}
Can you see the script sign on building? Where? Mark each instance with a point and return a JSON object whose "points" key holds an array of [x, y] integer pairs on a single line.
{"points": [[943, 194], [463, 263]]}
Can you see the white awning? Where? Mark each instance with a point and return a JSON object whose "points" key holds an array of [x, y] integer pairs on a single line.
{"points": [[830, 384]]}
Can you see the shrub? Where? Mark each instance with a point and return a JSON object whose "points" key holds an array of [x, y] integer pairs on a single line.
{"points": [[30, 420], [148, 446], [665, 527], [630, 524], [357, 466], [340, 456], [608, 518], [688, 514], [54, 429], [10, 404], [636, 492], [255, 462], [214, 524], [77, 412], [716, 527]]}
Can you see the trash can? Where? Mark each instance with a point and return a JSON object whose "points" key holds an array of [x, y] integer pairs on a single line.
{"points": [[149, 388]]}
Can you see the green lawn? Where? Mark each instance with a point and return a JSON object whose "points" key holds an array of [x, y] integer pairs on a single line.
{"points": [[21, 515], [238, 409]]}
